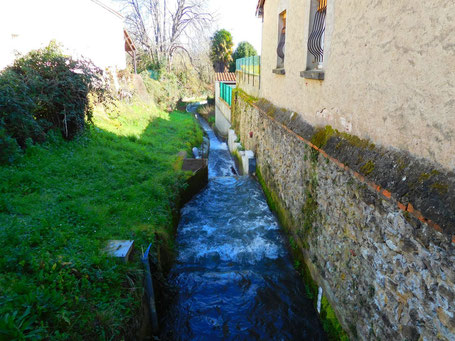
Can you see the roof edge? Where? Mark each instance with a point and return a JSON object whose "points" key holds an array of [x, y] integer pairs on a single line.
{"points": [[228, 77], [260, 8], [109, 9]]}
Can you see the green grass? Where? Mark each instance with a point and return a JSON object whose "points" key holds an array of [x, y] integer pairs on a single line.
{"points": [[63, 201]]}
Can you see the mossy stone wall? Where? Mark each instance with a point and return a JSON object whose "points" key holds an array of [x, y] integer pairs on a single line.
{"points": [[385, 273]]}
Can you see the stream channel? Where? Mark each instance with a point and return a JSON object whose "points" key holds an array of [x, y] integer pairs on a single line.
{"points": [[233, 274]]}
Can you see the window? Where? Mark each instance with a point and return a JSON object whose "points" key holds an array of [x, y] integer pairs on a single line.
{"points": [[316, 37], [281, 49]]}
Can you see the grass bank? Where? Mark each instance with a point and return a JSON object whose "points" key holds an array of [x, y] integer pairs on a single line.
{"points": [[63, 201]]}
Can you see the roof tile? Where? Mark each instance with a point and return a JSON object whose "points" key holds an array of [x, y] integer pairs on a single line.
{"points": [[225, 77]]}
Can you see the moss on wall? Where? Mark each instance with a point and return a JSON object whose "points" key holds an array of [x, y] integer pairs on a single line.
{"points": [[274, 203], [325, 221], [430, 188], [322, 135], [327, 316], [367, 168]]}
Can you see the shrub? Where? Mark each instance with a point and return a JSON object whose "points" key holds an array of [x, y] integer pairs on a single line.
{"points": [[206, 110], [173, 86], [44, 90], [166, 92], [16, 109], [9, 149]]}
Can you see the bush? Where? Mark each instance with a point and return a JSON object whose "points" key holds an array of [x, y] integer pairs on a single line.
{"points": [[206, 110], [9, 149], [173, 86], [44, 90], [16, 109], [166, 92]]}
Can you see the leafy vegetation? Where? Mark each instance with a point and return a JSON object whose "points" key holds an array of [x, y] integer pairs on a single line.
{"points": [[221, 50], [41, 91], [64, 200], [245, 49], [207, 111], [174, 86]]}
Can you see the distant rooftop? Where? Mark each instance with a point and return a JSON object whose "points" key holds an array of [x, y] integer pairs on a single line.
{"points": [[225, 77], [260, 8]]}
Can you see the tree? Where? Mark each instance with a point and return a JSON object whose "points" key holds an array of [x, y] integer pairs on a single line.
{"points": [[245, 49], [221, 50], [164, 28]]}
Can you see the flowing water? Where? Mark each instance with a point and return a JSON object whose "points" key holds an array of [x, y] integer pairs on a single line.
{"points": [[233, 274]]}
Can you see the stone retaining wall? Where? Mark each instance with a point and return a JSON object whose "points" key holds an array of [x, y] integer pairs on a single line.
{"points": [[387, 271]]}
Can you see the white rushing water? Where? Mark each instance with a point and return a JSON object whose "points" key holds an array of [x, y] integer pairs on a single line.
{"points": [[233, 274]]}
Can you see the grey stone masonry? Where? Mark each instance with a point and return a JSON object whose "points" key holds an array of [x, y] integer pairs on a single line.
{"points": [[387, 274]]}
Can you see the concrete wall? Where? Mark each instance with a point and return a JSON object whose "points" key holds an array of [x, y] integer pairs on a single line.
{"points": [[222, 113], [249, 83], [221, 122], [388, 72], [84, 28], [386, 271]]}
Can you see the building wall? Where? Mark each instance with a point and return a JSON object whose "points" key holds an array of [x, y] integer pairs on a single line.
{"points": [[389, 72], [81, 26], [249, 83], [387, 272], [222, 113]]}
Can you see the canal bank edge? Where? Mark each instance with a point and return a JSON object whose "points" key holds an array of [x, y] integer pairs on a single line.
{"points": [[163, 257], [379, 250], [327, 315]]}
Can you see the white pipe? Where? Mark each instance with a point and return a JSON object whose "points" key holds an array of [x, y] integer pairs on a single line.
{"points": [[319, 300]]}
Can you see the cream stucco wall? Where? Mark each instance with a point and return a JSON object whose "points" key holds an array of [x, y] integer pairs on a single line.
{"points": [[389, 71]]}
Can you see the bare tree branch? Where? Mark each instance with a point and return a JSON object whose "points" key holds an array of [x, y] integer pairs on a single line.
{"points": [[161, 27]]}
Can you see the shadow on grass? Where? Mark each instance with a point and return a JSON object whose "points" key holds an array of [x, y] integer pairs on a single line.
{"points": [[58, 207]]}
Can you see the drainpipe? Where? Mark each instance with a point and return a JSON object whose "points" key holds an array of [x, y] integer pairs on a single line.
{"points": [[150, 292], [319, 300]]}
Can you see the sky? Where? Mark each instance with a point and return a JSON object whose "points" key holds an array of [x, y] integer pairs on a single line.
{"points": [[239, 18], [31, 24], [236, 16], [37, 22]]}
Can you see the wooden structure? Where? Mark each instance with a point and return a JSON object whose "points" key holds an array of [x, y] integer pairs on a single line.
{"points": [[130, 48]]}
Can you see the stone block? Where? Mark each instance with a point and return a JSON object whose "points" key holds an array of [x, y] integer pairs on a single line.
{"points": [[120, 249], [232, 137], [248, 162]]}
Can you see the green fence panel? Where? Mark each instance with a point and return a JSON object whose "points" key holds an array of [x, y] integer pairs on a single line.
{"points": [[226, 92], [249, 65]]}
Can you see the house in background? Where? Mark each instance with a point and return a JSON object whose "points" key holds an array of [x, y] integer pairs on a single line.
{"points": [[85, 28]]}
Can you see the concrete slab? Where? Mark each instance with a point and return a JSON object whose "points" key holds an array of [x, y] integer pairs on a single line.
{"points": [[193, 164], [120, 248]]}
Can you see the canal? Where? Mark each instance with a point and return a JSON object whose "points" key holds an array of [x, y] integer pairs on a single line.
{"points": [[233, 275]]}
